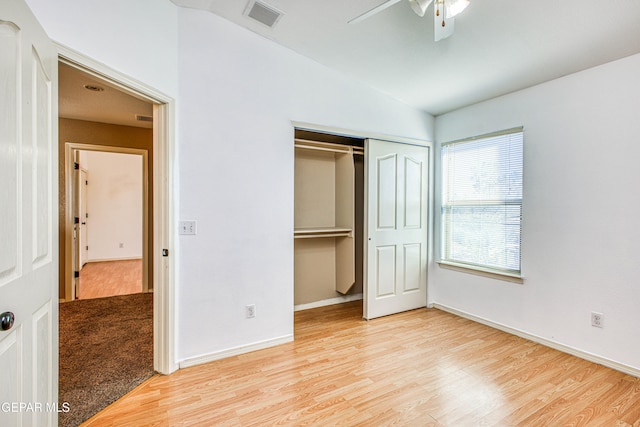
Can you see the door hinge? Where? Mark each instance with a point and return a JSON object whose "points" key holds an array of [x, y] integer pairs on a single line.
{"points": [[165, 252], [76, 274], [76, 165]]}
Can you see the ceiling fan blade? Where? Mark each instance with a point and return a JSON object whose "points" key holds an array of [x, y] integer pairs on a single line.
{"points": [[420, 6], [373, 11]]}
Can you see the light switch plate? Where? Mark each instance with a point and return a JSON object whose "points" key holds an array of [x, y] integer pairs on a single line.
{"points": [[187, 227]]}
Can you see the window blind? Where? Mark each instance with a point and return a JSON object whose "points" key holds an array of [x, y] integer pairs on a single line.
{"points": [[482, 201]]}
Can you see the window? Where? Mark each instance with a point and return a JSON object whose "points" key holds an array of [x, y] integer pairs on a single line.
{"points": [[482, 202]]}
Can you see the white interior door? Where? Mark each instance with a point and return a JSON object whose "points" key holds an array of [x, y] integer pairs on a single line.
{"points": [[28, 220], [79, 206], [396, 227]]}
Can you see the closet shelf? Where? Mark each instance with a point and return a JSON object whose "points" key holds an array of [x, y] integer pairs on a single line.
{"points": [[316, 232]]}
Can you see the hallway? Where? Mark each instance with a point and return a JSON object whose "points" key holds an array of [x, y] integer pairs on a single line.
{"points": [[110, 278]]}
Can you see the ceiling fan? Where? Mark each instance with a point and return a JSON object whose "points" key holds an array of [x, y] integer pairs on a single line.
{"points": [[443, 13]]}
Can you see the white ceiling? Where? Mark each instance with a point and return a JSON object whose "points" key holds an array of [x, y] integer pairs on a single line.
{"points": [[499, 46], [111, 105]]}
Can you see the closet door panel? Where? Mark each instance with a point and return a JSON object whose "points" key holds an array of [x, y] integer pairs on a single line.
{"points": [[412, 268], [385, 280], [386, 195], [396, 256], [413, 203]]}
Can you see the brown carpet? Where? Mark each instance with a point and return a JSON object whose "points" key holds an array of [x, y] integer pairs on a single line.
{"points": [[106, 350]]}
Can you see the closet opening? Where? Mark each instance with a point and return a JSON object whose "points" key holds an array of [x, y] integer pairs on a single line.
{"points": [[361, 222], [328, 219]]}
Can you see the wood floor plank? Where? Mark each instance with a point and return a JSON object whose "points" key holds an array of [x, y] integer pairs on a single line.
{"points": [[424, 367], [110, 278]]}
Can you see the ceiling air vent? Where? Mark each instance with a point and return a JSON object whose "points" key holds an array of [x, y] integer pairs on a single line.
{"points": [[141, 118], [263, 13]]}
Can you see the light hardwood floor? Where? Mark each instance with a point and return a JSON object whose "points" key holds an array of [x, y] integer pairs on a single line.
{"points": [[419, 368], [110, 278]]}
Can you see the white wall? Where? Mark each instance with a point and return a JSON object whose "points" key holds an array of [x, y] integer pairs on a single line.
{"points": [[581, 211], [138, 38], [238, 95], [114, 205]]}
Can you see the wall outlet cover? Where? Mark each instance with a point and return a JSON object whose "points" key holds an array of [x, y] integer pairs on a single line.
{"points": [[597, 319], [250, 311]]}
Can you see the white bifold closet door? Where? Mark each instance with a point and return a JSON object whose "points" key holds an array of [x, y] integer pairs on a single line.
{"points": [[396, 227]]}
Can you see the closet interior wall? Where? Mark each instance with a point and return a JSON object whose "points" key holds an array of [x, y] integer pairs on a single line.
{"points": [[329, 206]]}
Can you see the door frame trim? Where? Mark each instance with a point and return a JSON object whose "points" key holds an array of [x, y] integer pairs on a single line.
{"points": [[164, 127], [359, 134]]}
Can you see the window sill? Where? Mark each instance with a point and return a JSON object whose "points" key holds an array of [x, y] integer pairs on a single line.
{"points": [[478, 271]]}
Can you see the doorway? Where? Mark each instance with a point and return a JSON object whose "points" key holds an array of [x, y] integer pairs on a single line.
{"points": [[97, 116], [161, 222], [113, 152], [110, 217]]}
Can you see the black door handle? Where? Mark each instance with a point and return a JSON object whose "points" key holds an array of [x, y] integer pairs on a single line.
{"points": [[6, 320]]}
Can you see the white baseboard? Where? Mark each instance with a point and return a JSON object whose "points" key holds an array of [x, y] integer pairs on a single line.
{"points": [[630, 370], [199, 360], [330, 301], [193, 361]]}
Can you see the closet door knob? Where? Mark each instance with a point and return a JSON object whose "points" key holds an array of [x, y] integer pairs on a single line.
{"points": [[6, 320]]}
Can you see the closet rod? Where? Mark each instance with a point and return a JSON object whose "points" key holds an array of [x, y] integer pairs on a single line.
{"points": [[333, 150], [323, 146]]}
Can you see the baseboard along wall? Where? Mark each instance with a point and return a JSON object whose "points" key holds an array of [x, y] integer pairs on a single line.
{"points": [[630, 370], [206, 358], [193, 361], [330, 301]]}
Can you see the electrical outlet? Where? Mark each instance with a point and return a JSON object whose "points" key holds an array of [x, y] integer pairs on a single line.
{"points": [[597, 319], [250, 311], [187, 227]]}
